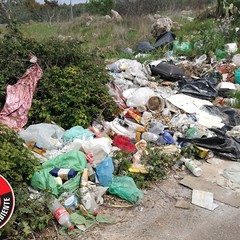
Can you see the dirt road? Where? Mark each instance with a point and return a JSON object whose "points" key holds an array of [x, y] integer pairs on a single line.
{"points": [[157, 217]]}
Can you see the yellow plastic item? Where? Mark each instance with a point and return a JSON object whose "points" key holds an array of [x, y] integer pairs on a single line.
{"points": [[202, 152], [138, 168]]}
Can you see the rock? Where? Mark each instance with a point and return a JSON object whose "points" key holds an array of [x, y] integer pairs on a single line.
{"points": [[181, 203], [115, 15], [107, 18], [161, 24]]}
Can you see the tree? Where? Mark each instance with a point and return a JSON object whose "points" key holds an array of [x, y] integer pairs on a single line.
{"points": [[101, 7], [50, 7]]}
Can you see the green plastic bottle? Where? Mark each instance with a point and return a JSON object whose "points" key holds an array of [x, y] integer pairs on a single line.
{"points": [[237, 76]]}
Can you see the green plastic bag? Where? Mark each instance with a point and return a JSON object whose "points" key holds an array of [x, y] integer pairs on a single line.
{"points": [[76, 132], [125, 188], [74, 159], [183, 47], [43, 180]]}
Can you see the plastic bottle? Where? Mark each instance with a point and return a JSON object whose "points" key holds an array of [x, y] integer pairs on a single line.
{"points": [[191, 166], [61, 214], [150, 137], [87, 200], [201, 59], [168, 137], [237, 76]]}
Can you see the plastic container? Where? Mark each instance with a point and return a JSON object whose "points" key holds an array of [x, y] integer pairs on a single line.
{"points": [[87, 200], [237, 76], [156, 103], [191, 166], [201, 59], [61, 214], [64, 174], [150, 137], [168, 137]]}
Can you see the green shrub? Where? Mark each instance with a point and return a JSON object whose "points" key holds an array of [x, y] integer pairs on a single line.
{"points": [[17, 166], [157, 163], [73, 86], [101, 7]]}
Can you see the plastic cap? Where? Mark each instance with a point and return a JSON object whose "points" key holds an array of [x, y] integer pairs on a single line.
{"points": [[71, 228]]}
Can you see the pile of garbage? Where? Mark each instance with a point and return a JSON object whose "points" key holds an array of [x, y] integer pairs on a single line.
{"points": [[167, 102]]}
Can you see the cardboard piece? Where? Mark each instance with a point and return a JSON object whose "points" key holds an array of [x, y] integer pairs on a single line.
{"points": [[181, 203], [203, 199], [220, 194]]}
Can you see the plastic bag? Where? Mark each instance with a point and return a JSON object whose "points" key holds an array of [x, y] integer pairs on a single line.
{"points": [[125, 188], [43, 180], [48, 136], [182, 46], [99, 148], [140, 97], [104, 171], [77, 132]]}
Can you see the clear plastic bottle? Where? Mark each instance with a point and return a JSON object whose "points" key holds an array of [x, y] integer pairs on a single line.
{"points": [[61, 214], [150, 137], [87, 200]]}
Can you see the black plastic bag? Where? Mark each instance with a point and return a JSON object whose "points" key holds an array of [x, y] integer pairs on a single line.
{"points": [[165, 38], [144, 47], [227, 147], [167, 71], [202, 88], [230, 116]]}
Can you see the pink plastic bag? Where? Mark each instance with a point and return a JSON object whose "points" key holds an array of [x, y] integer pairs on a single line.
{"points": [[19, 98]]}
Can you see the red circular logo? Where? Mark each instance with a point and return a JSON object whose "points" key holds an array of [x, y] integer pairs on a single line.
{"points": [[7, 201]]}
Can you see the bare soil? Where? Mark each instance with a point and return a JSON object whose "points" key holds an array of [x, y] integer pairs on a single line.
{"points": [[157, 216]]}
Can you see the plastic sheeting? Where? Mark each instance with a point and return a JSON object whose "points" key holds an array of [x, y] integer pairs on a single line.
{"points": [[202, 88], [19, 98], [230, 117], [227, 147], [164, 38]]}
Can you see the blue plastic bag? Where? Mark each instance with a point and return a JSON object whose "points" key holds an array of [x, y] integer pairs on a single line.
{"points": [[104, 171]]}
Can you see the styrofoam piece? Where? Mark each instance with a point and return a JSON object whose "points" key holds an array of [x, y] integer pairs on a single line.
{"points": [[203, 199]]}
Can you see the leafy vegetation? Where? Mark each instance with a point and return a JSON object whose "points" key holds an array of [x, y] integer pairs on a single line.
{"points": [[101, 7], [77, 74], [158, 164], [73, 89], [17, 166]]}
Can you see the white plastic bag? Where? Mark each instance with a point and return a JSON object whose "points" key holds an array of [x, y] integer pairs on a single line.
{"points": [[45, 135], [140, 97], [99, 148]]}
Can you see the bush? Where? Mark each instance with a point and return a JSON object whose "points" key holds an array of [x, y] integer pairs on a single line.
{"points": [[17, 166], [101, 7], [73, 86]]}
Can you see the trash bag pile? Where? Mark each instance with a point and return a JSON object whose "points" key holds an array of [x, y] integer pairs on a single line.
{"points": [[166, 102]]}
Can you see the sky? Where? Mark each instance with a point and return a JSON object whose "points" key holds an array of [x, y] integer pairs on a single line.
{"points": [[65, 1]]}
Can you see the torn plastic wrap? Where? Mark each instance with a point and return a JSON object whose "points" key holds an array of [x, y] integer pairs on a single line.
{"points": [[202, 88], [227, 147], [164, 38], [230, 117], [19, 98]]}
